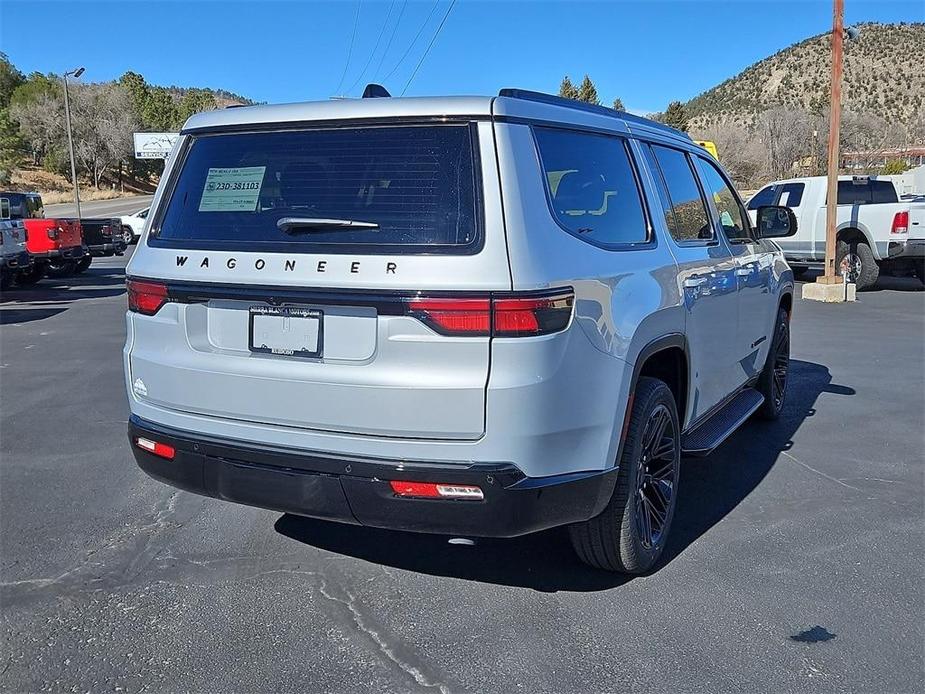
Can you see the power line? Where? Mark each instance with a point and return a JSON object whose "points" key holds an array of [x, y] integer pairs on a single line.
{"points": [[375, 48], [356, 19], [429, 46], [413, 41], [388, 44]]}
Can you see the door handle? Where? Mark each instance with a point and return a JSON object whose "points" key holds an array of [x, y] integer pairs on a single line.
{"points": [[743, 271], [694, 282]]}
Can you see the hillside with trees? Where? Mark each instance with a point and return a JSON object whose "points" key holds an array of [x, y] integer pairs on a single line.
{"points": [[771, 120], [103, 115], [883, 77]]}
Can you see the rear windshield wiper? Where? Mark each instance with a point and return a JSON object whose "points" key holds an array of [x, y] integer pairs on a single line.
{"points": [[297, 225]]}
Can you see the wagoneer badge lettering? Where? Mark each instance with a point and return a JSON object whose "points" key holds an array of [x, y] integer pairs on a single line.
{"points": [[352, 266]]}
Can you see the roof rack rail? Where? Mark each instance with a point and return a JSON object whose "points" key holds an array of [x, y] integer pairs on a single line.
{"points": [[542, 98]]}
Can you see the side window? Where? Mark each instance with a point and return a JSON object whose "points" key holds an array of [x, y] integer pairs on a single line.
{"points": [[791, 195], [765, 196], [883, 191], [732, 215], [592, 186], [685, 212]]}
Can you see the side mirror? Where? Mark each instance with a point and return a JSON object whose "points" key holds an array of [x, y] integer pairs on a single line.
{"points": [[776, 222]]}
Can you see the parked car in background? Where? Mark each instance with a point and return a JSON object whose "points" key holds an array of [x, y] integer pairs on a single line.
{"points": [[136, 223], [56, 244], [103, 237], [334, 315], [876, 230], [14, 258]]}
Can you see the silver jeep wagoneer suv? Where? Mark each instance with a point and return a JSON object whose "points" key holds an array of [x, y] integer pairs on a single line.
{"points": [[471, 316]]}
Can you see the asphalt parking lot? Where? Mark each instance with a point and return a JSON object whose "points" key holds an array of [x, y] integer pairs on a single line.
{"points": [[796, 562]]}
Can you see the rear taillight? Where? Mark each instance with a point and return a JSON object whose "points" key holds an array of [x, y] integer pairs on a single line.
{"points": [[161, 450], [900, 223], [146, 297], [470, 317], [532, 315], [430, 490], [501, 316]]}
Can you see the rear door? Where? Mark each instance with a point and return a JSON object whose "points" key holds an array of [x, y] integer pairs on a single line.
{"points": [[754, 260], [326, 278], [707, 275]]}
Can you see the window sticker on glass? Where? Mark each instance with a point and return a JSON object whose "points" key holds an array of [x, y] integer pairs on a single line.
{"points": [[232, 189]]}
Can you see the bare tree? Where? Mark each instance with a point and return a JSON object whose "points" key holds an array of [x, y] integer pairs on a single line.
{"points": [[103, 122], [102, 119], [41, 122], [786, 133], [741, 153]]}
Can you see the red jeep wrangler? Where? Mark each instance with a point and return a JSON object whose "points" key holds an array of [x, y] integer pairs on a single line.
{"points": [[56, 245]]}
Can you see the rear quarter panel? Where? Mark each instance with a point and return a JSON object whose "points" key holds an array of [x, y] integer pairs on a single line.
{"points": [[624, 299]]}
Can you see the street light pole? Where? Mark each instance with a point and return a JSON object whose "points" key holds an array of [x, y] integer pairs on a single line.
{"points": [[70, 139], [831, 207]]}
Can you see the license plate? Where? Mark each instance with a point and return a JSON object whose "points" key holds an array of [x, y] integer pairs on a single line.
{"points": [[292, 332]]}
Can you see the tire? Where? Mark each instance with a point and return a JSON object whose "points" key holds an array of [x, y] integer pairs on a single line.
{"points": [[858, 259], [772, 383], [127, 235], [622, 537], [799, 271], [82, 264], [58, 268], [27, 278]]}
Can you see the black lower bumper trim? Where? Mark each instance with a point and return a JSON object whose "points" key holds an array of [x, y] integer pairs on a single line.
{"points": [[357, 490]]}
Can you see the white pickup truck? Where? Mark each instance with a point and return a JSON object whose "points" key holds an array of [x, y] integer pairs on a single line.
{"points": [[876, 231]]}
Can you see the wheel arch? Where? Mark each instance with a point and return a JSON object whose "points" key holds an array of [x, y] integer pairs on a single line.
{"points": [[786, 303], [850, 232], [668, 359]]}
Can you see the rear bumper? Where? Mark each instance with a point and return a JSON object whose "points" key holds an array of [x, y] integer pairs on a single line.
{"points": [[18, 261], [99, 250], [910, 248], [357, 490], [72, 253]]}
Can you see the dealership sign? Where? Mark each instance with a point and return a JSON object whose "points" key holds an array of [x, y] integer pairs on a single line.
{"points": [[154, 145]]}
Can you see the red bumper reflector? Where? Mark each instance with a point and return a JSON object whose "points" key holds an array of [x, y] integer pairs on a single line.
{"points": [[429, 490], [161, 450]]}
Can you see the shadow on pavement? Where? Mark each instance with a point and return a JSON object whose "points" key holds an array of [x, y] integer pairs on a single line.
{"points": [[709, 489], [94, 283], [12, 316]]}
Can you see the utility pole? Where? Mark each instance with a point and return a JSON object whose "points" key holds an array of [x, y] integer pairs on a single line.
{"points": [[831, 207], [70, 139]]}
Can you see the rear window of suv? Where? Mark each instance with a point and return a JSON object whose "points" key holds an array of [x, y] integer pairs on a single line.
{"points": [[404, 189]]}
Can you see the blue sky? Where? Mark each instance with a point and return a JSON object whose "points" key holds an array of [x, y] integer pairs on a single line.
{"points": [[647, 53]]}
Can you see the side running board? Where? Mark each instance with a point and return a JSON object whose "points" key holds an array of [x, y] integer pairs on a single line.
{"points": [[706, 436]]}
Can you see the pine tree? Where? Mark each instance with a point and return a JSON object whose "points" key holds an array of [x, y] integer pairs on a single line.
{"points": [[567, 89], [12, 146], [675, 116], [587, 92], [618, 104]]}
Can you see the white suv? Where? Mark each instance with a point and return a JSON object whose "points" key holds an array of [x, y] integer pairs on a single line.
{"points": [[472, 316]]}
